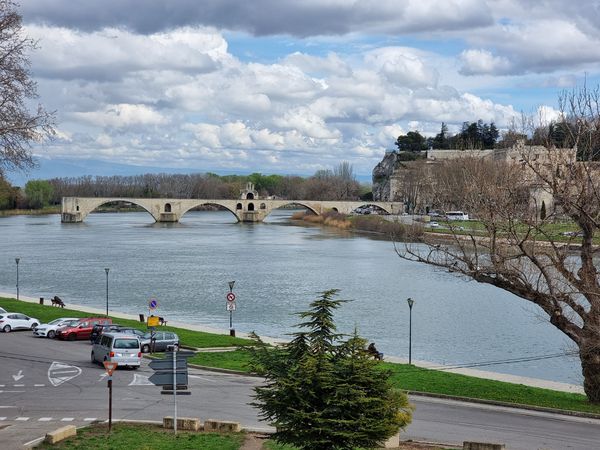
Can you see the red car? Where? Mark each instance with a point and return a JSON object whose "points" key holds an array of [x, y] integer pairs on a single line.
{"points": [[80, 329]]}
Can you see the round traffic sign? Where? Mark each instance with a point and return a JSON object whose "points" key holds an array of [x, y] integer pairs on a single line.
{"points": [[231, 297], [153, 303]]}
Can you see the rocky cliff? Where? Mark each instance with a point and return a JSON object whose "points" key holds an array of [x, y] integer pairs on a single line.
{"points": [[381, 176]]}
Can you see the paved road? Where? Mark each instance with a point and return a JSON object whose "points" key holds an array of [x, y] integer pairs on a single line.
{"points": [[45, 384]]}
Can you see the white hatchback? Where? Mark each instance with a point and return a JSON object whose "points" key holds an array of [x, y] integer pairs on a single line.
{"points": [[49, 329], [16, 321]]}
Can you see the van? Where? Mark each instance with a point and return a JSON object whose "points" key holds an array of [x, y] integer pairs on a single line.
{"points": [[80, 329], [124, 349]]}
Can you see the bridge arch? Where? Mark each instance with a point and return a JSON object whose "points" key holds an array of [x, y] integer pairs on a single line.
{"points": [[292, 202], [210, 203], [374, 205], [92, 206]]}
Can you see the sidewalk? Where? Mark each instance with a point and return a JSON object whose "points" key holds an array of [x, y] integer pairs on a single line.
{"points": [[527, 381]]}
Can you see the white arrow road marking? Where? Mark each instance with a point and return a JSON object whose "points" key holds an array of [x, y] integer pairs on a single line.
{"points": [[18, 376], [140, 380], [59, 373], [104, 375]]}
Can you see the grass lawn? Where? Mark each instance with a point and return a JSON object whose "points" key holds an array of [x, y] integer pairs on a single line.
{"points": [[146, 437], [236, 360], [46, 313]]}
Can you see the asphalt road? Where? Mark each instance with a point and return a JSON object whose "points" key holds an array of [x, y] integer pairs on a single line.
{"points": [[46, 384]]}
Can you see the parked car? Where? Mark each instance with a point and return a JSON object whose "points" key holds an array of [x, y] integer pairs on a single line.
{"points": [[124, 349], [162, 339], [80, 329], [16, 321], [49, 329], [100, 328], [434, 224]]}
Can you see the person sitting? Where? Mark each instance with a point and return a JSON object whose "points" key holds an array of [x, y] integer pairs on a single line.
{"points": [[372, 350], [56, 301]]}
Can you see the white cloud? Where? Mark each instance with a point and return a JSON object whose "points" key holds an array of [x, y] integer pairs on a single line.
{"points": [[122, 116], [482, 62]]}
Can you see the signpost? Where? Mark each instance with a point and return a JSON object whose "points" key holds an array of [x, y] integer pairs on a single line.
{"points": [[171, 371], [230, 306], [110, 368], [153, 321]]}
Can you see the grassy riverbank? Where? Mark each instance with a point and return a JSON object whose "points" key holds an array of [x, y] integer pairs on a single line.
{"points": [[404, 377], [31, 212]]}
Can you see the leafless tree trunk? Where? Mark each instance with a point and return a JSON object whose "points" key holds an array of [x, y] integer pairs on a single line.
{"points": [[19, 128]]}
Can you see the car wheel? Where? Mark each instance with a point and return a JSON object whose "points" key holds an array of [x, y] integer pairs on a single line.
{"points": [[6, 328], [145, 348], [72, 337], [33, 325], [51, 334]]}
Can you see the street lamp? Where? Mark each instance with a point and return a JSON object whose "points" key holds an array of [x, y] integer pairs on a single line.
{"points": [[410, 302], [231, 307], [17, 261], [106, 270]]}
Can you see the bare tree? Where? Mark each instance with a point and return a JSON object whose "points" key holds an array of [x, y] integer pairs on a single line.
{"points": [[19, 127], [521, 253]]}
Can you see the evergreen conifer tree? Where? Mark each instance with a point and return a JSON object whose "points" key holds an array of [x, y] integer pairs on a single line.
{"points": [[324, 393]]}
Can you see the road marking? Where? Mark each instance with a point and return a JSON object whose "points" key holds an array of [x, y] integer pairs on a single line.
{"points": [[59, 373], [2, 419], [140, 380], [210, 380], [3, 407], [2, 385], [39, 385], [67, 419], [18, 385], [44, 419], [22, 419], [18, 376], [89, 419]]}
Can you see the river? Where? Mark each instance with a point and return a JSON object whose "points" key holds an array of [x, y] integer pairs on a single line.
{"points": [[278, 268]]}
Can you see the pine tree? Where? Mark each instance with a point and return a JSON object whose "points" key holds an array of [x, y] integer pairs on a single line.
{"points": [[324, 393], [543, 211]]}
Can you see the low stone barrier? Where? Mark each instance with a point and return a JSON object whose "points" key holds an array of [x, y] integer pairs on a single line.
{"points": [[392, 442], [222, 425], [482, 446], [62, 433], [183, 423]]}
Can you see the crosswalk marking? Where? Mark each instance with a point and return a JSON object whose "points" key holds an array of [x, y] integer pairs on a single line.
{"points": [[67, 419], [44, 419], [89, 419], [39, 385], [18, 385], [22, 419], [2, 418]]}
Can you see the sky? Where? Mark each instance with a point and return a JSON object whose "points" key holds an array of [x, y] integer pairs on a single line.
{"points": [[290, 87]]}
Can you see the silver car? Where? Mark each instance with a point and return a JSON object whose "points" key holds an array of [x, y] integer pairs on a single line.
{"points": [[161, 340], [124, 349]]}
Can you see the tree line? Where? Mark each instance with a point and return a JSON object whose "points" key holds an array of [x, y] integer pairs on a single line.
{"points": [[338, 183]]}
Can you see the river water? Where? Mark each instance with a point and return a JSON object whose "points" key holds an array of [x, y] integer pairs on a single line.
{"points": [[278, 267]]}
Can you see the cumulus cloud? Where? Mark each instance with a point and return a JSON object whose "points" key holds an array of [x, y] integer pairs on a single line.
{"points": [[482, 62], [122, 116]]}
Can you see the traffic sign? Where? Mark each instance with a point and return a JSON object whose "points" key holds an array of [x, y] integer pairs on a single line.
{"points": [[230, 306], [231, 297], [110, 367], [166, 378], [153, 321], [153, 303], [167, 364]]}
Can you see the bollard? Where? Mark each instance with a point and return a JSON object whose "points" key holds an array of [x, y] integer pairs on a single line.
{"points": [[41, 300], [142, 318]]}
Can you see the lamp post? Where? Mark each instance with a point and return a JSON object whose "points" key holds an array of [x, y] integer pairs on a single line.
{"points": [[410, 302], [17, 262], [231, 306], [106, 270]]}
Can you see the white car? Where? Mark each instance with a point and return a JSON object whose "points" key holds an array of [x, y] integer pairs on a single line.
{"points": [[49, 329], [16, 321]]}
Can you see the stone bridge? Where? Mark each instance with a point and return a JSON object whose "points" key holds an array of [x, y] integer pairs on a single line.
{"points": [[248, 209]]}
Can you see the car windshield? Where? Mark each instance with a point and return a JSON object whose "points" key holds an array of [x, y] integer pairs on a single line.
{"points": [[72, 323], [55, 322], [126, 343]]}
